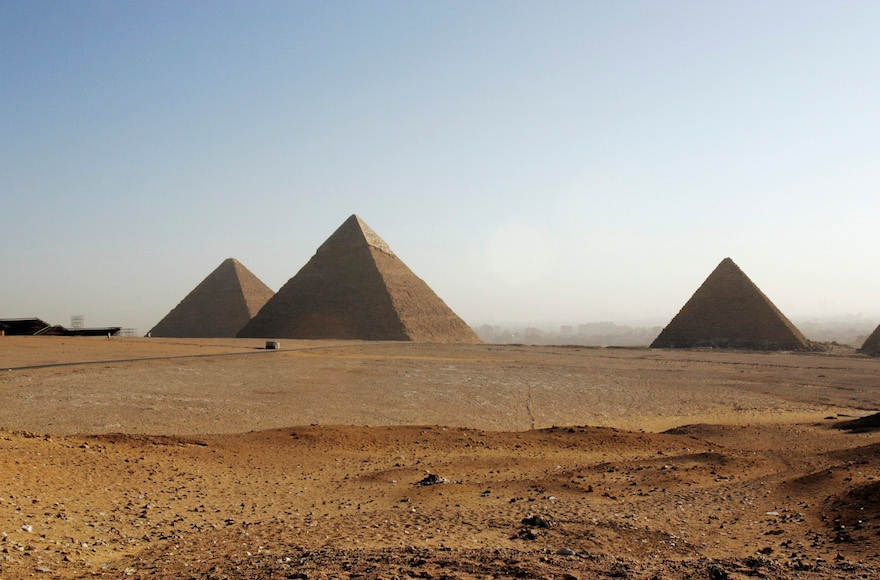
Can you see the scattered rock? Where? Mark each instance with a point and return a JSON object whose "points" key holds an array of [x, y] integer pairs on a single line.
{"points": [[717, 572], [526, 534], [432, 479], [537, 522]]}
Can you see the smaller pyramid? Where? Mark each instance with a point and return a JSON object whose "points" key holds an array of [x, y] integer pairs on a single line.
{"points": [[730, 311], [872, 343], [218, 307], [355, 287]]}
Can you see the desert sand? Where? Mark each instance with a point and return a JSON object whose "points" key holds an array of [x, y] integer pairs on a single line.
{"points": [[214, 458]]}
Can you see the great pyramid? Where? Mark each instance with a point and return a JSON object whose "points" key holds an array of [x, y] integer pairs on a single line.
{"points": [[354, 287], [729, 311], [218, 307], [872, 343]]}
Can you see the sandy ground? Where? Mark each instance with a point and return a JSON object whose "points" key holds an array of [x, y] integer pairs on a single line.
{"points": [[156, 458]]}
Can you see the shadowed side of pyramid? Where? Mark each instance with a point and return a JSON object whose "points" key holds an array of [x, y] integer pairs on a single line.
{"points": [[354, 287], [218, 307], [730, 311], [872, 343]]}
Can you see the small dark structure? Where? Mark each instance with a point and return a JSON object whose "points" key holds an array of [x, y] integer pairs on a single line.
{"points": [[38, 327], [24, 326]]}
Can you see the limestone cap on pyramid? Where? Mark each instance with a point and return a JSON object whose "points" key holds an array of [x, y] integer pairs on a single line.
{"points": [[729, 311], [355, 287], [354, 232], [218, 306]]}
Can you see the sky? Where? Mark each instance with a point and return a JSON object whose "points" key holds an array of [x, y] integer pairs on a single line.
{"points": [[534, 162]]}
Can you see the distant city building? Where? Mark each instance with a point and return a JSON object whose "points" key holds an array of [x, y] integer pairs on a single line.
{"points": [[590, 334]]}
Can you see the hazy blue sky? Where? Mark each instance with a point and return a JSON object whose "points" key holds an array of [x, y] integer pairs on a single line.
{"points": [[531, 161]]}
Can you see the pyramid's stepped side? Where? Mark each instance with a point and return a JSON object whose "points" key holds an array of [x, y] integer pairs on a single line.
{"points": [[730, 311], [218, 307], [425, 317], [317, 303], [872, 343], [354, 287]]}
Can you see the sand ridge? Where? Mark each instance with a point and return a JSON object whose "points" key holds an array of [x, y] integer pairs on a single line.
{"points": [[326, 502]]}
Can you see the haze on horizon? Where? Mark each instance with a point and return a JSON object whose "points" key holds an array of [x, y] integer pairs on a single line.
{"points": [[565, 161]]}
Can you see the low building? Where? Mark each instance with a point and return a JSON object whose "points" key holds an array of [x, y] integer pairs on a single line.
{"points": [[38, 327]]}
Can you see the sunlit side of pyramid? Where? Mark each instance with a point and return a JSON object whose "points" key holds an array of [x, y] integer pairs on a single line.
{"points": [[354, 287], [218, 307], [872, 343], [729, 311]]}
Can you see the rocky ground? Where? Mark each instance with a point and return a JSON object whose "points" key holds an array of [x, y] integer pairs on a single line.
{"points": [[139, 469]]}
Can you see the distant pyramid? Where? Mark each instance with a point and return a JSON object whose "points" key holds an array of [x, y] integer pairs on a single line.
{"points": [[872, 343], [354, 287], [218, 307], [729, 311]]}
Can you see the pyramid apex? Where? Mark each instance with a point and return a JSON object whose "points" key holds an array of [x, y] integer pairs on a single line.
{"points": [[355, 232], [728, 267]]}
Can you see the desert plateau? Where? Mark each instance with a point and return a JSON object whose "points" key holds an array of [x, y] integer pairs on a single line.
{"points": [[218, 459]]}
